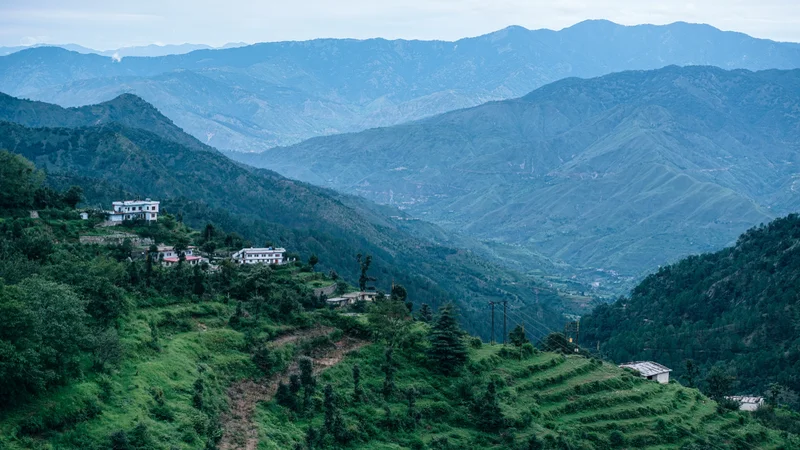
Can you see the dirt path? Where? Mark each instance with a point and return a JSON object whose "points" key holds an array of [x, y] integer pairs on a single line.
{"points": [[240, 431]]}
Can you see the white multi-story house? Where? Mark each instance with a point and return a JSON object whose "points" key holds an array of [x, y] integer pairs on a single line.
{"points": [[146, 210], [168, 251], [269, 255]]}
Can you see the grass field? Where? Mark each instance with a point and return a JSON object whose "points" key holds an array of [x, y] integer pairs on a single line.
{"points": [[565, 401]]}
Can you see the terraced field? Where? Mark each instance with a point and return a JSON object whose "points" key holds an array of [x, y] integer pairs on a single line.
{"points": [[564, 401]]}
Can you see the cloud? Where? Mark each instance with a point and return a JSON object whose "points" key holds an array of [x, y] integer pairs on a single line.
{"points": [[115, 57]]}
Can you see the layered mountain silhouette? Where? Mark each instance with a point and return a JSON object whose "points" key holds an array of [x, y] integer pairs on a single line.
{"points": [[126, 147], [259, 96], [623, 172]]}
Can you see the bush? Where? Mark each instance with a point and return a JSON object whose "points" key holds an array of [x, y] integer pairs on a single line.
{"points": [[64, 414], [272, 360]]}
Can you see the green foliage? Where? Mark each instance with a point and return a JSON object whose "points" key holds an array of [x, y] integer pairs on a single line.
{"points": [[736, 307], [19, 180], [43, 331], [447, 353], [546, 401], [390, 321], [518, 337], [487, 409]]}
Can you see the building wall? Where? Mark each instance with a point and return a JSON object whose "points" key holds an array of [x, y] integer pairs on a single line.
{"points": [[748, 406], [663, 378]]}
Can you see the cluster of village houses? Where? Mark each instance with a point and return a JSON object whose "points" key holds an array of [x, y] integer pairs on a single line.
{"points": [[148, 211]]}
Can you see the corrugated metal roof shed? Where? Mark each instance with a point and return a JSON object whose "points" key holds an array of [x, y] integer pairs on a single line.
{"points": [[646, 368]]}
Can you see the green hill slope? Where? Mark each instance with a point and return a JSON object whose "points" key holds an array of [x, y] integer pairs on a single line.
{"points": [[737, 308], [103, 347], [546, 401], [264, 206], [623, 172]]}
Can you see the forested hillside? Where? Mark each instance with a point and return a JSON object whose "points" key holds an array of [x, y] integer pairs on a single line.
{"points": [[619, 173], [255, 97], [737, 309], [204, 186], [102, 347]]}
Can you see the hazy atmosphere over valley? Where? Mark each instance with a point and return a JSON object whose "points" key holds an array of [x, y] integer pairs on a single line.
{"points": [[399, 225]]}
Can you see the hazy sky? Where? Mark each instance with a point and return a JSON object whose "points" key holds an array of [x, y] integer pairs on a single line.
{"points": [[108, 24]]}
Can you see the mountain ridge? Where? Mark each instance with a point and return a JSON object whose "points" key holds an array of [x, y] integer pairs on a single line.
{"points": [[259, 96], [688, 156], [264, 206]]}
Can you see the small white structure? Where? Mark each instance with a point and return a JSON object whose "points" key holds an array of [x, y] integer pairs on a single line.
{"points": [[168, 251], [268, 255], [146, 210], [650, 370], [84, 215], [747, 403], [352, 298]]}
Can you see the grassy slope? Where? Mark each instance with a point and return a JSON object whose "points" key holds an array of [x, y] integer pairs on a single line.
{"points": [[547, 395]]}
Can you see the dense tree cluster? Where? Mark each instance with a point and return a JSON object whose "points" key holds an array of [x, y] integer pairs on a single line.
{"points": [[739, 307]]}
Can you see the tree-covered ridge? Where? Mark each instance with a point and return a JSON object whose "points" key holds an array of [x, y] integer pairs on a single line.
{"points": [[738, 309], [102, 347], [204, 186], [622, 173]]}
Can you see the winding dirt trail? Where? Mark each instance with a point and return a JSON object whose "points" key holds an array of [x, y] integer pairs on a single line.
{"points": [[240, 430]]}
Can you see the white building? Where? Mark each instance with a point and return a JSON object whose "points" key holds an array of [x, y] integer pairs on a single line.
{"points": [[747, 403], [168, 251], [146, 210], [352, 298], [189, 260], [269, 255], [650, 370]]}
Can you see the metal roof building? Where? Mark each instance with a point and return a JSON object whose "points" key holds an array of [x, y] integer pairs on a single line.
{"points": [[650, 370]]}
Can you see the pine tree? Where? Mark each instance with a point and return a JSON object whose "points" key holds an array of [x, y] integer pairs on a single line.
{"points": [[412, 414], [425, 313], [284, 396], [358, 393], [448, 351], [388, 370], [691, 372], [308, 381], [489, 414], [330, 410], [517, 336]]}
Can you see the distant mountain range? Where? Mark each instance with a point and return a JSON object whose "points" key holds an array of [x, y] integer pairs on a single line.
{"points": [[619, 173], [122, 52], [259, 96], [126, 147]]}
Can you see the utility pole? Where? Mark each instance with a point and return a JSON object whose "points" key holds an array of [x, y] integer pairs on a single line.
{"points": [[492, 305], [505, 332]]}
